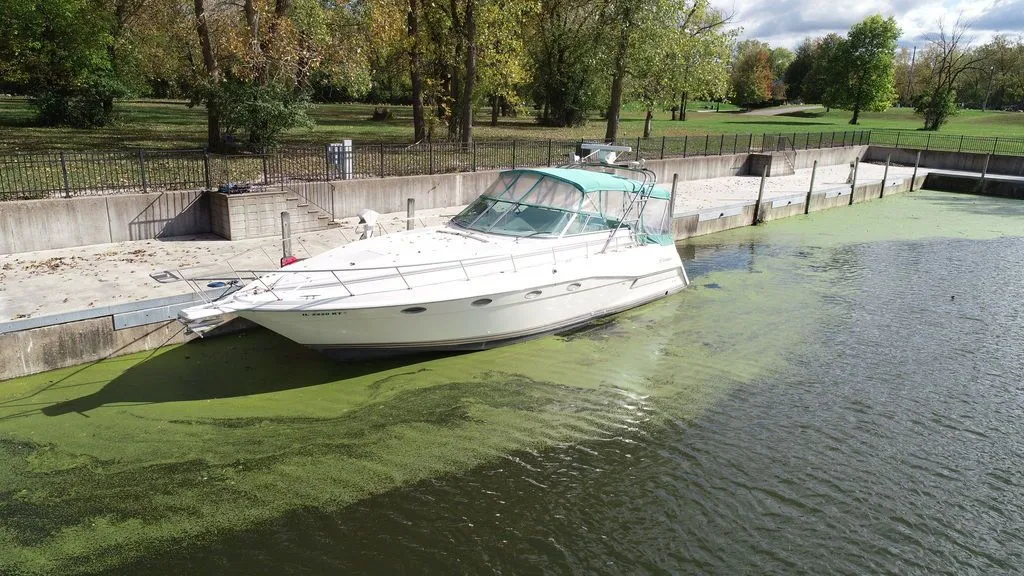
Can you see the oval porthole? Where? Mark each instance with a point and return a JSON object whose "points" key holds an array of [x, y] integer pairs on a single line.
{"points": [[573, 287], [532, 295], [481, 302], [414, 310]]}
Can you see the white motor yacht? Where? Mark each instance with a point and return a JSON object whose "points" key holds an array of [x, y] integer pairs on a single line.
{"points": [[542, 250]]}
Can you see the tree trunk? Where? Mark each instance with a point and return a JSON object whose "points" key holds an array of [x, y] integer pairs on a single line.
{"points": [[455, 84], [213, 76], [615, 105], [673, 112], [466, 111], [494, 110], [684, 100], [419, 123], [647, 123], [856, 115]]}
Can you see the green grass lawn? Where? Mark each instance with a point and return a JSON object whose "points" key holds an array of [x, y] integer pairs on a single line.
{"points": [[172, 124]]}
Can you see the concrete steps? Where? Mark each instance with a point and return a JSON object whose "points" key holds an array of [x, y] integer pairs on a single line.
{"points": [[306, 217]]}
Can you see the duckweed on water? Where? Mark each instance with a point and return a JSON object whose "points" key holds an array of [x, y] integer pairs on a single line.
{"points": [[113, 461]]}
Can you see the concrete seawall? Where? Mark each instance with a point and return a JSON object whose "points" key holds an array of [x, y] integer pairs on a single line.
{"points": [[963, 161], [30, 225]]}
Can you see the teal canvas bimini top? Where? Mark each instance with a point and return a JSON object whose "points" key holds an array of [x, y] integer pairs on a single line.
{"points": [[588, 181]]}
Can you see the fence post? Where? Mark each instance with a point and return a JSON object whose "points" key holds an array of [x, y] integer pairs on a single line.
{"points": [[327, 162], [832, 140], [853, 185], [380, 148], [662, 147], [686, 139], [142, 171], [474, 156], [549, 151], [430, 157], [995, 144], [206, 168], [897, 146], [760, 195], [513, 153], [881, 193], [928, 142], [64, 173], [810, 190], [266, 177], [750, 144], [410, 213], [637, 148], [916, 164], [707, 140], [721, 145]]}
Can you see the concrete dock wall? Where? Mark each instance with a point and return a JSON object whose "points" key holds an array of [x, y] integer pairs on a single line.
{"points": [[963, 161], [993, 186], [29, 225]]}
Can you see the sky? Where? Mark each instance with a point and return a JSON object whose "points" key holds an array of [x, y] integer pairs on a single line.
{"points": [[787, 22]]}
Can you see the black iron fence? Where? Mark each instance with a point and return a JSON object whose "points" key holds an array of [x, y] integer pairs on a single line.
{"points": [[948, 142], [64, 174]]}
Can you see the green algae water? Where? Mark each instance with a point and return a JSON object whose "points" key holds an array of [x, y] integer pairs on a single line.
{"points": [[835, 393]]}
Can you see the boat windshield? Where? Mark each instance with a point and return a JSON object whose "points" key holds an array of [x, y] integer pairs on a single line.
{"points": [[524, 203]]}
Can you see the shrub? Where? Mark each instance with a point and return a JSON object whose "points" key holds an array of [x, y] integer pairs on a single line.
{"points": [[261, 112], [87, 106]]}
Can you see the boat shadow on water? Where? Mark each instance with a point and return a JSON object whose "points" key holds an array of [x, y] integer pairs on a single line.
{"points": [[253, 362]]}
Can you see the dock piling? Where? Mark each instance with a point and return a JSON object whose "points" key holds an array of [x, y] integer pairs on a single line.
{"points": [[916, 164], [810, 189], [672, 197], [885, 175], [760, 194], [984, 172], [853, 185], [286, 236]]}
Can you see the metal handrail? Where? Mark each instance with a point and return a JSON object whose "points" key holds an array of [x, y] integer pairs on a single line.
{"points": [[273, 288]]}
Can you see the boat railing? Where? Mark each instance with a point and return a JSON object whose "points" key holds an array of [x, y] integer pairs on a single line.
{"points": [[274, 281]]}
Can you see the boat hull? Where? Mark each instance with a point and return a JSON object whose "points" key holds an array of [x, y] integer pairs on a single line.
{"points": [[472, 323]]}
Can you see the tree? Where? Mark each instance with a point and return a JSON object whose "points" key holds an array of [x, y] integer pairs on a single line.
{"points": [[504, 69], [826, 80], [781, 58], [61, 53], [563, 50], [799, 68], [948, 58], [700, 56], [865, 66], [997, 80], [752, 74]]}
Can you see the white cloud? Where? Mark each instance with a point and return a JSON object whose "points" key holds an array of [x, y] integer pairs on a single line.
{"points": [[787, 22]]}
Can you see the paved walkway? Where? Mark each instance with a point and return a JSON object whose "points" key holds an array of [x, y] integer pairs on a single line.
{"points": [[775, 111], [47, 282]]}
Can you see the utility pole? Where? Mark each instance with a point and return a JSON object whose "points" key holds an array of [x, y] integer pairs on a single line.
{"points": [[910, 79], [988, 92]]}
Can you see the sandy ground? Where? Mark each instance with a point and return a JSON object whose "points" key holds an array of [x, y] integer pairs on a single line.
{"points": [[51, 281]]}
